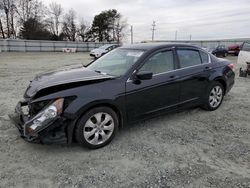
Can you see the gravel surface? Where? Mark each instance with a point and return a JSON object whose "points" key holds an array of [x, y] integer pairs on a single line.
{"points": [[193, 148]]}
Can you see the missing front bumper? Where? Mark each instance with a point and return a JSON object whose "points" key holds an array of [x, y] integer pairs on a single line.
{"points": [[53, 133]]}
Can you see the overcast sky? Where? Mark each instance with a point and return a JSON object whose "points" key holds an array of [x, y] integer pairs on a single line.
{"points": [[203, 19]]}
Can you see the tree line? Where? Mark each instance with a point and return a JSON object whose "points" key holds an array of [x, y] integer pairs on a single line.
{"points": [[31, 19]]}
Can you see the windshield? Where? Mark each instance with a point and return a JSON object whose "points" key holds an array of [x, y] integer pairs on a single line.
{"points": [[104, 47], [116, 62]]}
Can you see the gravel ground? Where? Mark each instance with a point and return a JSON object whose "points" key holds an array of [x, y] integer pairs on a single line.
{"points": [[193, 148]]}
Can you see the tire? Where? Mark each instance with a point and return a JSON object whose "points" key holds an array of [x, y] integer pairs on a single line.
{"points": [[214, 96], [225, 54], [97, 127]]}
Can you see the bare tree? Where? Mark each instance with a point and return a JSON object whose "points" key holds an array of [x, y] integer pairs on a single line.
{"points": [[69, 25], [27, 9], [55, 11], [1, 28], [1, 23], [5, 6], [119, 26], [12, 16], [82, 30]]}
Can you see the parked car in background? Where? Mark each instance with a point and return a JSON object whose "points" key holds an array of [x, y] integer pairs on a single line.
{"points": [[98, 52], [234, 49], [244, 59], [219, 51], [131, 83]]}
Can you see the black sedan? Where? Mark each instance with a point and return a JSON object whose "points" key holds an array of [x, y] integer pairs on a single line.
{"points": [[89, 104], [219, 51]]}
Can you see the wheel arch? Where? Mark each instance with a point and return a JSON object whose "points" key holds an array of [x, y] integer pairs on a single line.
{"points": [[223, 82]]}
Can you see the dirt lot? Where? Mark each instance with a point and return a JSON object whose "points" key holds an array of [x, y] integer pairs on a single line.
{"points": [[193, 148]]}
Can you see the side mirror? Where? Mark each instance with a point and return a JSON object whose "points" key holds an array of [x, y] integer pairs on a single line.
{"points": [[144, 75]]}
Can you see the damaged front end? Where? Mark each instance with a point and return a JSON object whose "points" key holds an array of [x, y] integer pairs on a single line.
{"points": [[41, 122], [42, 116]]}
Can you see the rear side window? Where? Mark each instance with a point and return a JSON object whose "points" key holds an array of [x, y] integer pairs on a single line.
{"points": [[246, 47], [188, 58], [204, 57]]}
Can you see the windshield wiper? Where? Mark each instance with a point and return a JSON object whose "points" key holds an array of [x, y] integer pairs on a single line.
{"points": [[103, 73], [98, 71]]}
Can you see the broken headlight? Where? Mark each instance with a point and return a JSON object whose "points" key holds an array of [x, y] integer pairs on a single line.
{"points": [[45, 117]]}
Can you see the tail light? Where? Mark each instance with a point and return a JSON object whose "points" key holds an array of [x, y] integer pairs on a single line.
{"points": [[231, 66]]}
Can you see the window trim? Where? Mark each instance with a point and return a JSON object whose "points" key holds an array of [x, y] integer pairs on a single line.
{"points": [[176, 62]]}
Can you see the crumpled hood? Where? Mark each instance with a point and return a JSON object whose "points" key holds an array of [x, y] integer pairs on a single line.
{"points": [[63, 76]]}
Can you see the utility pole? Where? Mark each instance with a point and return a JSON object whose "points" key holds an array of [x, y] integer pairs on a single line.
{"points": [[153, 30], [176, 32], [132, 35], [190, 37]]}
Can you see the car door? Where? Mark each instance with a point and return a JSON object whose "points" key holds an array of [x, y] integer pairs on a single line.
{"points": [[194, 70], [244, 55], [160, 93]]}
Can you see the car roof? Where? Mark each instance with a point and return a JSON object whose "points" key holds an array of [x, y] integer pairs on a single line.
{"points": [[150, 46]]}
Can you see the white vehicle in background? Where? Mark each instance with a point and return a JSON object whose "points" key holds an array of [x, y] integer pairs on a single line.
{"points": [[244, 59], [98, 52]]}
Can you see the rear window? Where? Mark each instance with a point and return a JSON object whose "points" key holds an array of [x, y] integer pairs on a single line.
{"points": [[246, 47], [188, 58]]}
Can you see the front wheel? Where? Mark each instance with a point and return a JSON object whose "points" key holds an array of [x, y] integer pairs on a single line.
{"points": [[97, 127], [214, 96]]}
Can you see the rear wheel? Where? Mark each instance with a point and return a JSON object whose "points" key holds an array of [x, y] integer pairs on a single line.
{"points": [[97, 127], [214, 96]]}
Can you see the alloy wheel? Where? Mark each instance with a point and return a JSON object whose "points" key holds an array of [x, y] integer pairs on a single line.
{"points": [[215, 96], [98, 128]]}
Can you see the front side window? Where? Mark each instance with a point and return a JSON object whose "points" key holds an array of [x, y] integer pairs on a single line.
{"points": [[188, 58], [117, 62], [159, 63]]}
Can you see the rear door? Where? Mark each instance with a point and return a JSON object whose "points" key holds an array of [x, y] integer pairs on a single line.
{"points": [[244, 55], [194, 70]]}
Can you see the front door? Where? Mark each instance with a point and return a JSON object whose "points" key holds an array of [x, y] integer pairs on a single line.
{"points": [[160, 93]]}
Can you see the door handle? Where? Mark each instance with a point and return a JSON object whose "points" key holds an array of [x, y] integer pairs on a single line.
{"points": [[174, 77], [207, 68]]}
